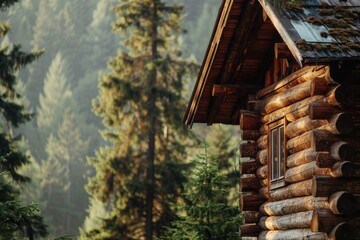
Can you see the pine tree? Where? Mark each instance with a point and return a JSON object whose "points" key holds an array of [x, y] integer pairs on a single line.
{"points": [[140, 174], [24, 219], [55, 91], [63, 177], [207, 215]]}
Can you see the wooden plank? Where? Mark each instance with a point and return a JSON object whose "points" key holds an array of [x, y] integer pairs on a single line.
{"points": [[231, 89], [282, 51]]}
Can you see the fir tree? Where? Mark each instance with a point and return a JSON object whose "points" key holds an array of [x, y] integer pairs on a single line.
{"points": [[55, 91], [13, 114], [207, 215], [63, 177], [140, 174]]}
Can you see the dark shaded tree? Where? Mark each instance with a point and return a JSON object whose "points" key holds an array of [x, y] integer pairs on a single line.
{"points": [[17, 219], [207, 215]]}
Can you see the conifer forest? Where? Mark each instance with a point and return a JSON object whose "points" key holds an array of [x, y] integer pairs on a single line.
{"points": [[93, 144]]}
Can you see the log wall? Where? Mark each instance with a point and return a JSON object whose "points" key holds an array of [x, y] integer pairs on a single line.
{"points": [[319, 200]]}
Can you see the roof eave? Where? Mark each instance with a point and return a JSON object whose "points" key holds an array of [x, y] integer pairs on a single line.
{"points": [[207, 62]]}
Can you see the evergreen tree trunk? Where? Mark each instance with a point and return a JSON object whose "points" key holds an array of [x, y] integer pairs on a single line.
{"points": [[150, 176]]}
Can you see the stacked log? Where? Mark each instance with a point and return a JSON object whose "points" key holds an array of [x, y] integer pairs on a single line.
{"points": [[322, 176], [250, 199]]}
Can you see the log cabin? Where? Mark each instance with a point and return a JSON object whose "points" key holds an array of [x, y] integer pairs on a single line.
{"points": [[288, 73]]}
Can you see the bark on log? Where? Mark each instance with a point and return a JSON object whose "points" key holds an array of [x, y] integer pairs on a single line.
{"points": [[302, 75], [251, 202], [300, 143], [322, 110], [264, 192], [324, 186], [249, 184], [322, 159], [294, 190], [252, 216], [303, 125], [264, 182], [340, 123], [343, 231], [250, 134], [324, 221], [249, 167], [250, 230], [318, 140], [300, 109], [262, 142], [345, 169], [343, 203], [308, 170], [263, 129], [261, 157], [304, 172], [302, 105], [248, 238], [291, 221], [293, 205], [248, 149], [262, 172], [293, 234], [249, 120], [323, 140], [337, 96], [313, 87]]}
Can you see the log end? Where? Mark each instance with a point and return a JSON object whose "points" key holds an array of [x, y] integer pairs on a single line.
{"points": [[344, 124], [343, 203], [343, 231], [346, 152], [315, 222]]}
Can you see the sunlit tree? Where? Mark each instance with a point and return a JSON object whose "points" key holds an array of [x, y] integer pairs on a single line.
{"points": [[141, 173]]}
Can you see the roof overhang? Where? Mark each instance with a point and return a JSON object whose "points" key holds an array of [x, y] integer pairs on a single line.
{"points": [[231, 60]]}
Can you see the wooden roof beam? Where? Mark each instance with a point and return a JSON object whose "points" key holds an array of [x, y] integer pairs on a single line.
{"points": [[282, 51], [239, 45], [233, 90]]}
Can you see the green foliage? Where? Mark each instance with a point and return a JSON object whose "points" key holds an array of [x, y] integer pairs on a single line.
{"points": [[15, 219], [55, 92], [207, 214], [62, 176], [141, 106]]}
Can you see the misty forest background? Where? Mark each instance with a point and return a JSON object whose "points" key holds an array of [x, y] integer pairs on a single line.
{"points": [[59, 88]]}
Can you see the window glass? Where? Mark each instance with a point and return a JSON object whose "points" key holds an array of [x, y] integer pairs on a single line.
{"points": [[282, 152], [277, 153]]}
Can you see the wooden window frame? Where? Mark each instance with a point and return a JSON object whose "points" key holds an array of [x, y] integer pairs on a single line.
{"points": [[279, 182]]}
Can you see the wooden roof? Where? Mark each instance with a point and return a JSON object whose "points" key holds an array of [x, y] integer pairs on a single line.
{"points": [[241, 48]]}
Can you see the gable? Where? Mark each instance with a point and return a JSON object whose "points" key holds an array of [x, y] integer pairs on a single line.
{"points": [[242, 48]]}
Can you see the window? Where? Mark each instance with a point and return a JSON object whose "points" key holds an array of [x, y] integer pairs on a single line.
{"points": [[276, 154]]}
